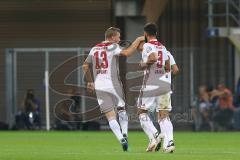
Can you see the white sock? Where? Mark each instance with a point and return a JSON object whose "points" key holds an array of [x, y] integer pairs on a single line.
{"points": [[147, 126], [116, 129], [123, 120], [167, 129], [163, 131]]}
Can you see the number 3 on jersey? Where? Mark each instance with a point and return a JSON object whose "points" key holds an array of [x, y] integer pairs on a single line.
{"points": [[160, 59], [103, 56]]}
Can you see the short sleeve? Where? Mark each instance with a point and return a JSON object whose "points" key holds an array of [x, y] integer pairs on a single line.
{"points": [[172, 60], [115, 48], [165, 54]]}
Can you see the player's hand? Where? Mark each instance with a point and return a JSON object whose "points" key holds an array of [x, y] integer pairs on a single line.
{"points": [[143, 65], [90, 87], [140, 39]]}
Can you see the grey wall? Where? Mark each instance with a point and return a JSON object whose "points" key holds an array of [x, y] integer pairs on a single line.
{"points": [[237, 65]]}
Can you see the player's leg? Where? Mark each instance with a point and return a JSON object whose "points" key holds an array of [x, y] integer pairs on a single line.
{"points": [[123, 120], [115, 127], [165, 122], [167, 129], [147, 124], [153, 110], [148, 128], [106, 106], [122, 114]]}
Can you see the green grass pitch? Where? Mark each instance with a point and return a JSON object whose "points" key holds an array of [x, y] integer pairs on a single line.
{"points": [[103, 145]]}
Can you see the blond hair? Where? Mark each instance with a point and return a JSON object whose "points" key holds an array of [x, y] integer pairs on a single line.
{"points": [[112, 31]]}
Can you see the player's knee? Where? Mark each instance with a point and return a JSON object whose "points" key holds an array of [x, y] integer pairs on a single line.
{"points": [[111, 115], [163, 114]]}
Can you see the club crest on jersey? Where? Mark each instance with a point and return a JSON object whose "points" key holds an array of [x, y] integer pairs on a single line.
{"points": [[148, 49]]}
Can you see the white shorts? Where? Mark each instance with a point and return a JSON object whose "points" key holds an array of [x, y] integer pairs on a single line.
{"points": [[150, 93], [163, 102], [158, 103], [109, 98]]}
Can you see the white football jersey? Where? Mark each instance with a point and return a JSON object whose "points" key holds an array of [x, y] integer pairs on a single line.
{"points": [[104, 59], [156, 70], [168, 77]]}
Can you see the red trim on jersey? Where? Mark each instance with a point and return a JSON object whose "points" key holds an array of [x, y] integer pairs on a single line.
{"points": [[103, 44], [157, 43]]}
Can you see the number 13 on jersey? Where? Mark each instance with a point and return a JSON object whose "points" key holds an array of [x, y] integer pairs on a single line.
{"points": [[101, 55]]}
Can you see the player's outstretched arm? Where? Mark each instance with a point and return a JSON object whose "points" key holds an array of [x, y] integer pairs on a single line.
{"points": [[130, 50]]}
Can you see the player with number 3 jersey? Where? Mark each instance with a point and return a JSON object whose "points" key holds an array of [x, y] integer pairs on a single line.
{"points": [[155, 63]]}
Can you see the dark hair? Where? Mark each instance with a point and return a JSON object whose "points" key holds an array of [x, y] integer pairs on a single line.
{"points": [[30, 94], [151, 29], [112, 31]]}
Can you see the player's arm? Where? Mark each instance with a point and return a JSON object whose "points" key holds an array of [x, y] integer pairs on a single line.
{"points": [[167, 65], [152, 58], [130, 50], [88, 75], [175, 69], [140, 47], [86, 71]]}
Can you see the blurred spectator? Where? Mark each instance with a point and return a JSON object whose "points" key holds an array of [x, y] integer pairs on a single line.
{"points": [[29, 116], [201, 110], [213, 97], [216, 109], [68, 112], [224, 113]]}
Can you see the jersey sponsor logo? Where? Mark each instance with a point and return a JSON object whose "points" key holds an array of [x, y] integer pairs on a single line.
{"points": [[101, 71], [159, 71]]}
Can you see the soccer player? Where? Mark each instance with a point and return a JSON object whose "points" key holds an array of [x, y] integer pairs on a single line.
{"points": [[155, 63], [164, 106], [107, 85]]}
